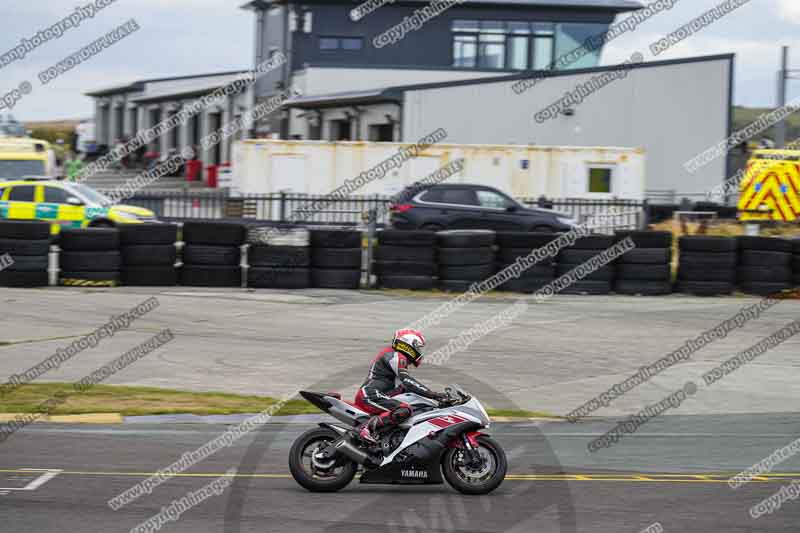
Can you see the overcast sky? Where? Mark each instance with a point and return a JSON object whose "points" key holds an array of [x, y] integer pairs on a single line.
{"points": [[179, 37]]}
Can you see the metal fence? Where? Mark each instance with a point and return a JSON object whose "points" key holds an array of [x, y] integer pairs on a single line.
{"points": [[352, 210]]}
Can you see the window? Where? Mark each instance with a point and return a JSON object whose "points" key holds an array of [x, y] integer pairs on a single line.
{"points": [[572, 35], [493, 200], [543, 45], [55, 195], [433, 196], [465, 50], [341, 43], [600, 180], [459, 197], [518, 45], [14, 169], [21, 193], [328, 43], [492, 44], [351, 43]]}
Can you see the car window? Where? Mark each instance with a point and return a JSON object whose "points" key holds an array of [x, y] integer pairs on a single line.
{"points": [[432, 195], [55, 195], [492, 199], [21, 193], [459, 197]]}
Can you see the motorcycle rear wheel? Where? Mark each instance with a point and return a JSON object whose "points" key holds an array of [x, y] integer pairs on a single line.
{"points": [[307, 475], [467, 480]]}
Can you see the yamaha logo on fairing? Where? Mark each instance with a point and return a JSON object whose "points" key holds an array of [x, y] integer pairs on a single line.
{"points": [[414, 473]]}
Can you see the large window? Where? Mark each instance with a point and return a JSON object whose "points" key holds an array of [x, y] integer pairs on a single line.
{"points": [[341, 43], [520, 45]]}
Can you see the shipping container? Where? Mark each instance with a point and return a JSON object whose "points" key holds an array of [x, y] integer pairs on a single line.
{"points": [[319, 167]]}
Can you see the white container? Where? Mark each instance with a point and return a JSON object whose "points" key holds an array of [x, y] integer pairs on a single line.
{"points": [[318, 167]]}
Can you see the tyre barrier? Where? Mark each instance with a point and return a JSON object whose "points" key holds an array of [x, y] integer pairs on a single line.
{"points": [[90, 257], [336, 258], [464, 257], [24, 251], [707, 265], [149, 254], [513, 245], [212, 254], [279, 259], [796, 262], [765, 265], [598, 282], [645, 270], [406, 259]]}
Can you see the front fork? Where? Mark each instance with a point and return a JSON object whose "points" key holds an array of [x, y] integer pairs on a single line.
{"points": [[469, 442]]}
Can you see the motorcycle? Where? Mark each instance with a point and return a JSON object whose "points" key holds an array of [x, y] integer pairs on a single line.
{"points": [[439, 440]]}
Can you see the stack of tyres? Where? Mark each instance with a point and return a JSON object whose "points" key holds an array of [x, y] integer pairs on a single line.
{"points": [[24, 248], [796, 262], [149, 254], [513, 245], [465, 257], [279, 259], [765, 265], [598, 281], [336, 259], [651, 273], [212, 254], [707, 265], [89, 257], [406, 259]]}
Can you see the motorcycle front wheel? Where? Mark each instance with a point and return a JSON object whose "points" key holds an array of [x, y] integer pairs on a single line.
{"points": [[314, 474], [474, 479]]}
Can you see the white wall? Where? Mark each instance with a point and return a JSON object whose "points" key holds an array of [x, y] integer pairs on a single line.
{"points": [[673, 111]]}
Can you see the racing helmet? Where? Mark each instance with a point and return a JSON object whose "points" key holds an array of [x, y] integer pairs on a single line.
{"points": [[410, 343]]}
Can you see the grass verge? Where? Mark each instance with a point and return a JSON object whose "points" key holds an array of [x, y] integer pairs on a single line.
{"points": [[137, 401]]}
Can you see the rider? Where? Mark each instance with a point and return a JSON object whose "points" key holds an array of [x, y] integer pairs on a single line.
{"points": [[388, 375]]}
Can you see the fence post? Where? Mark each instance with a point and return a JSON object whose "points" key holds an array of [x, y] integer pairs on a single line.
{"points": [[283, 206], [645, 214], [371, 230]]}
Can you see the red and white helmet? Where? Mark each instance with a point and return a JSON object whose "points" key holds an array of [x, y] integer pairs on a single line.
{"points": [[410, 343]]}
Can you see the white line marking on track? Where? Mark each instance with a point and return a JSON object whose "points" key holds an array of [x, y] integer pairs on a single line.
{"points": [[47, 475]]}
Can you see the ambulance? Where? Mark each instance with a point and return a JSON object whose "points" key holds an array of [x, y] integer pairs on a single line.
{"points": [[770, 189]]}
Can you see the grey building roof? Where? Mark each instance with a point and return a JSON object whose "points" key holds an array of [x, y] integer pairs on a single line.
{"points": [[611, 5], [139, 84]]}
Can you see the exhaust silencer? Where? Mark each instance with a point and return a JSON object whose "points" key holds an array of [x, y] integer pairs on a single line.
{"points": [[353, 453]]}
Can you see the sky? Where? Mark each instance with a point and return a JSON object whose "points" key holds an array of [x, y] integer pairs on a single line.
{"points": [[182, 37]]}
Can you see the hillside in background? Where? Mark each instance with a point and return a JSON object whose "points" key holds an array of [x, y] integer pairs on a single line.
{"points": [[743, 116]]}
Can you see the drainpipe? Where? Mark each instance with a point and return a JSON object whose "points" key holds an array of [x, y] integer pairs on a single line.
{"points": [[259, 57]]}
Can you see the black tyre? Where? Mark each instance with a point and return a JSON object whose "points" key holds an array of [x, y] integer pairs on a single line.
{"points": [[349, 258], [149, 255], [323, 238], [279, 256], [466, 272], [763, 288], [89, 239], [765, 244], [646, 256], [88, 279], [509, 255], [326, 278], [702, 243], [758, 258], [644, 272], [405, 253], [721, 275], [214, 233], [208, 255], [13, 278], [404, 268], [796, 280], [576, 257], [24, 247], [704, 288], [647, 239], [588, 287], [796, 246], [476, 481], [605, 273], [465, 238], [28, 263], [140, 234], [90, 261], [796, 263], [525, 285], [278, 278], [210, 276], [328, 477], [466, 256], [149, 276], [594, 242], [536, 271], [777, 274], [522, 239], [715, 260], [455, 285], [644, 288], [29, 231], [406, 282], [393, 237]]}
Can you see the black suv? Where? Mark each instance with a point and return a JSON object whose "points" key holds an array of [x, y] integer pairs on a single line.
{"points": [[439, 207]]}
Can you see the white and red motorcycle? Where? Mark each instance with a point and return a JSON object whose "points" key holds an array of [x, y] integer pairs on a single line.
{"points": [[438, 440]]}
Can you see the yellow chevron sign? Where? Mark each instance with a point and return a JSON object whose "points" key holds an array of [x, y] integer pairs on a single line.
{"points": [[770, 189]]}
